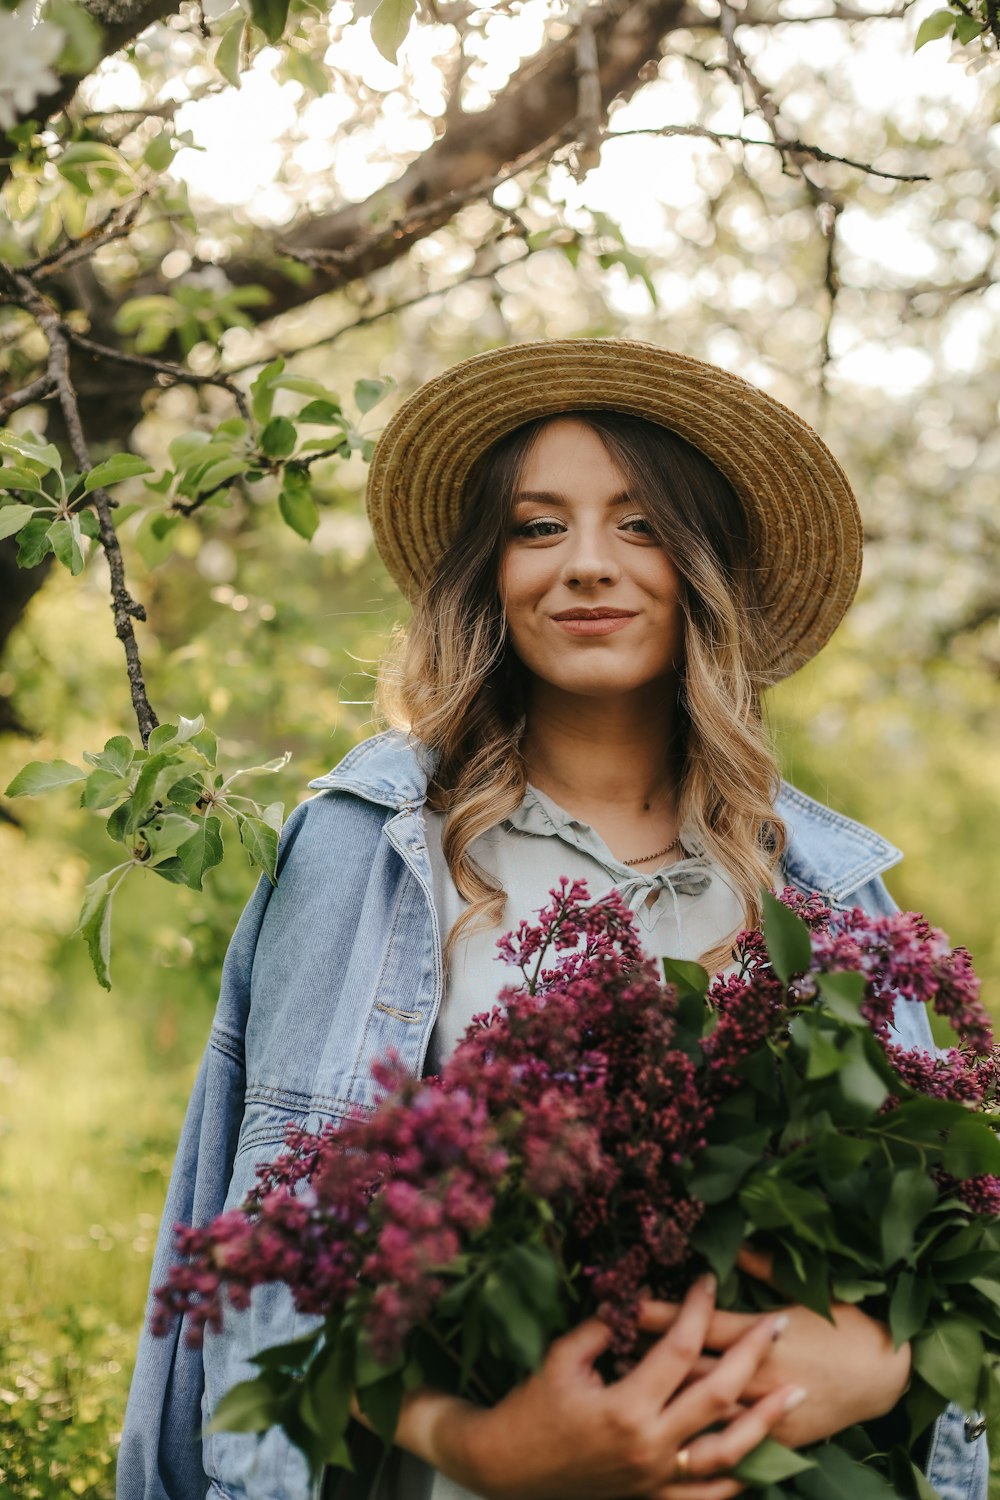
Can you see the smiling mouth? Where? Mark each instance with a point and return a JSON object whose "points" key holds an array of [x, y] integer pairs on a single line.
{"points": [[599, 622], [595, 614]]}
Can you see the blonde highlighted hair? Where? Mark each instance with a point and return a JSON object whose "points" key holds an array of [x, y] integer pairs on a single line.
{"points": [[452, 679]]}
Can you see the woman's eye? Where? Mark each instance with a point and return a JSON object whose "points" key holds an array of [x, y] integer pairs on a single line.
{"points": [[641, 522], [537, 528]]}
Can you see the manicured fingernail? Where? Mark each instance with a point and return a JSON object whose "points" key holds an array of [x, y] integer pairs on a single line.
{"points": [[795, 1398], [780, 1324], [708, 1284]]}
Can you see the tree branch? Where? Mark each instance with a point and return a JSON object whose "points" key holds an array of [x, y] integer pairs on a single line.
{"points": [[785, 147], [173, 374], [36, 390], [123, 606]]}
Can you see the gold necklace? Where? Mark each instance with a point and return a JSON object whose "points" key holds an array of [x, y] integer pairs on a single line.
{"points": [[659, 853]]}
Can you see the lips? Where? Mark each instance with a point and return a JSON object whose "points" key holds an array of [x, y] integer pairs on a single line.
{"points": [[595, 614]]}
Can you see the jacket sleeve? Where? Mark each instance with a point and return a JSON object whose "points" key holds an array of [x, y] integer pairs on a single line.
{"points": [[160, 1457]]}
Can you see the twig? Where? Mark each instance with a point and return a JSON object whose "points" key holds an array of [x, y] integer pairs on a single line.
{"points": [[796, 148], [36, 391], [175, 373], [827, 203], [123, 606], [116, 225]]}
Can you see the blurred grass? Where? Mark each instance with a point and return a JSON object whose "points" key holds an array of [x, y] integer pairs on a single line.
{"points": [[93, 1086]]}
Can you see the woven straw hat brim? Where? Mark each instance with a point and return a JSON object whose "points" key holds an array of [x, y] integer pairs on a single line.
{"points": [[804, 522]]}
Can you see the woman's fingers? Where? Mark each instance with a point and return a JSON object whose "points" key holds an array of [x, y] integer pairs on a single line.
{"points": [[705, 1401], [724, 1328], [665, 1367], [711, 1489], [715, 1452], [579, 1348]]}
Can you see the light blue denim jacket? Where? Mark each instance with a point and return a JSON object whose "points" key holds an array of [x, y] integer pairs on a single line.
{"points": [[338, 963]]}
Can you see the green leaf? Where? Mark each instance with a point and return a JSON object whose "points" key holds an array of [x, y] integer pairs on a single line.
{"points": [[14, 477], [262, 391], [973, 1148], [838, 1475], [114, 469], [65, 539], [229, 52], [13, 517], [718, 1237], [298, 508], [26, 445], [390, 23], [911, 1299], [786, 936], [689, 978], [251, 1406], [102, 788], [933, 27], [770, 1463], [381, 1403], [278, 438], [536, 1274], [160, 152], [261, 843], [911, 1196], [165, 835], [842, 994], [43, 776], [194, 858], [34, 542], [94, 923], [326, 1399], [861, 1087], [368, 393], [949, 1358], [294, 1355], [82, 37], [323, 413], [516, 1324], [719, 1170], [116, 756], [270, 16], [967, 29], [367, 1369]]}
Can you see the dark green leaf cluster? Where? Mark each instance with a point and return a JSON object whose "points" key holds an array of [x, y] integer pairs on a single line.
{"points": [[49, 510], [167, 805]]}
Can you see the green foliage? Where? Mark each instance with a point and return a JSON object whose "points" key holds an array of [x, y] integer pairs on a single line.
{"points": [[165, 801], [964, 22]]}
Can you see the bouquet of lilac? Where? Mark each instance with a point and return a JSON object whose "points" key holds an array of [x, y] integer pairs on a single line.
{"points": [[604, 1134]]}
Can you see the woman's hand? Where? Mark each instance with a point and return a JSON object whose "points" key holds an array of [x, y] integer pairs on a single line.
{"points": [[850, 1367], [563, 1432]]}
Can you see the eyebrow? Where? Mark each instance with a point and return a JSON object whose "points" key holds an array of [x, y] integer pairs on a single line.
{"points": [[551, 497]]}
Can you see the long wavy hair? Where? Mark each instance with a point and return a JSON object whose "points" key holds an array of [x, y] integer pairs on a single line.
{"points": [[452, 679]]}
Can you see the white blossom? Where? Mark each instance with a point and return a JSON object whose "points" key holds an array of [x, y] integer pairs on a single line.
{"points": [[27, 47]]}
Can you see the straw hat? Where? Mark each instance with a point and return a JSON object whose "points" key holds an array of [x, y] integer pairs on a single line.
{"points": [[804, 522]]}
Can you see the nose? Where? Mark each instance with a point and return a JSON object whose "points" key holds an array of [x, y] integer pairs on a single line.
{"points": [[588, 561]]}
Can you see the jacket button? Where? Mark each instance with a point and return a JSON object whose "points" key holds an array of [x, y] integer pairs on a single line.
{"points": [[974, 1429]]}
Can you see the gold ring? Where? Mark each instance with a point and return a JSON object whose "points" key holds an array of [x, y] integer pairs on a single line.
{"points": [[682, 1463]]}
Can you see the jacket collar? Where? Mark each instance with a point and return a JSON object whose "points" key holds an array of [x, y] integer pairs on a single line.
{"points": [[827, 852]]}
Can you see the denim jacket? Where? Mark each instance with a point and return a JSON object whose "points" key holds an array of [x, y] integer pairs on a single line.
{"points": [[327, 971]]}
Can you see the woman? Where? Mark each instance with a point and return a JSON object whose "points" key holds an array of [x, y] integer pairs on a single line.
{"points": [[611, 550]]}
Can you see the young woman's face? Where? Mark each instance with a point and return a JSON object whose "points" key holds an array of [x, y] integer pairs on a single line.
{"points": [[591, 598]]}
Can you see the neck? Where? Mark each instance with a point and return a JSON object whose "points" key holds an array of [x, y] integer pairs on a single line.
{"points": [[592, 752]]}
